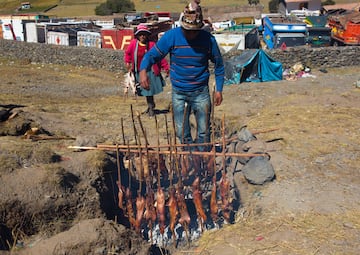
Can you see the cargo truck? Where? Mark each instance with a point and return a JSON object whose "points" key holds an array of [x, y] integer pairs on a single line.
{"points": [[318, 33], [345, 29], [278, 32]]}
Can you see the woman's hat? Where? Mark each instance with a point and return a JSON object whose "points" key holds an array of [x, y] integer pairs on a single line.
{"points": [[191, 18], [142, 28]]}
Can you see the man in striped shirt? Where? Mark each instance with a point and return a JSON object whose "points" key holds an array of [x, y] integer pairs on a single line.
{"points": [[190, 48]]}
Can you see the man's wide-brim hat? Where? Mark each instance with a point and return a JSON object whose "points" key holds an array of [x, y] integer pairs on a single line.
{"points": [[191, 18], [142, 28]]}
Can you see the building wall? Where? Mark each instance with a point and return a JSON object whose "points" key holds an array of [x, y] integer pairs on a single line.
{"points": [[312, 5]]}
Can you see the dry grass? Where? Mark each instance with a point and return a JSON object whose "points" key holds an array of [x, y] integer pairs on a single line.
{"points": [[177, 6], [68, 8], [308, 126], [7, 7], [87, 7], [73, 10], [291, 234], [12, 157], [96, 159]]}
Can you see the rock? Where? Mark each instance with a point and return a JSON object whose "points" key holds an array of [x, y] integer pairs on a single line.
{"points": [[258, 170], [89, 141]]}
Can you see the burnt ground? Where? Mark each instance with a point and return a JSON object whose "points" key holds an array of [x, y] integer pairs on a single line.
{"points": [[59, 200]]}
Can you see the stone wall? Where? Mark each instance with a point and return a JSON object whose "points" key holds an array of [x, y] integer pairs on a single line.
{"points": [[112, 60], [318, 57]]}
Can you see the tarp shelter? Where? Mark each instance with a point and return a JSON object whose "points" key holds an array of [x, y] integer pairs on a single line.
{"points": [[253, 65]]}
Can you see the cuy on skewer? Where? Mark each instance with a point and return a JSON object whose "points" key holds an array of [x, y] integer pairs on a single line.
{"points": [[224, 193], [197, 198], [213, 202], [224, 182], [160, 206], [173, 210], [160, 195], [129, 207], [150, 211], [140, 206], [140, 200], [184, 219], [120, 192]]}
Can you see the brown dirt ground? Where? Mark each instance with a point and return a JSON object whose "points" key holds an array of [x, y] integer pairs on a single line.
{"points": [[56, 200]]}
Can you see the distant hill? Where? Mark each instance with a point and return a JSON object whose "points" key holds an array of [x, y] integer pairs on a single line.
{"points": [[69, 8]]}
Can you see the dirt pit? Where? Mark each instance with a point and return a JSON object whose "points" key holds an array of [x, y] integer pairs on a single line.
{"points": [[61, 200]]}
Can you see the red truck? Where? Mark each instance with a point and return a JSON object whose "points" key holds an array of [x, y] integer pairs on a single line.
{"points": [[345, 29], [119, 39]]}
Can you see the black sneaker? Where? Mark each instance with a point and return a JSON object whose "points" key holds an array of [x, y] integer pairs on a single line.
{"points": [[151, 112]]}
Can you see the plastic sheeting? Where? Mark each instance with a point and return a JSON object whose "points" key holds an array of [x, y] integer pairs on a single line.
{"points": [[253, 65]]}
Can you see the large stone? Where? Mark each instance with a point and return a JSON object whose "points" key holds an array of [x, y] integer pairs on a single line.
{"points": [[258, 170]]}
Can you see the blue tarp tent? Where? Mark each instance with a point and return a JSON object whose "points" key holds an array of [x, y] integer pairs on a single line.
{"points": [[253, 65]]}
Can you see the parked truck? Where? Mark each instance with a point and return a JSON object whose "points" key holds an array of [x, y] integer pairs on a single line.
{"points": [[238, 37], [119, 38], [318, 33], [278, 32], [345, 29]]}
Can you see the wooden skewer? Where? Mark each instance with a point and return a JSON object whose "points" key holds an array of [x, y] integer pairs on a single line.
{"points": [[171, 170], [130, 164], [133, 122], [146, 143], [170, 160], [167, 132], [142, 128], [175, 148], [212, 118], [122, 130], [140, 170], [208, 125], [120, 193], [42, 137], [213, 133], [224, 144], [166, 152], [158, 149], [118, 166], [213, 197], [167, 145], [183, 124]]}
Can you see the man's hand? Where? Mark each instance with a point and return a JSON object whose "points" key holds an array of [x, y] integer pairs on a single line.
{"points": [[218, 98], [144, 79]]}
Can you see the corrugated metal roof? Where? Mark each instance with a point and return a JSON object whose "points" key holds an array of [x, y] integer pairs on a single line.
{"points": [[353, 17], [229, 16], [348, 6], [343, 19]]}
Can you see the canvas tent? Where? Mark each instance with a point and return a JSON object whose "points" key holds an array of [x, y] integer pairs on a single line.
{"points": [[253, 65]]}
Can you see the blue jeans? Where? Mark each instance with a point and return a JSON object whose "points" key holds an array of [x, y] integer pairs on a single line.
{"points": [[197, 102]]}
